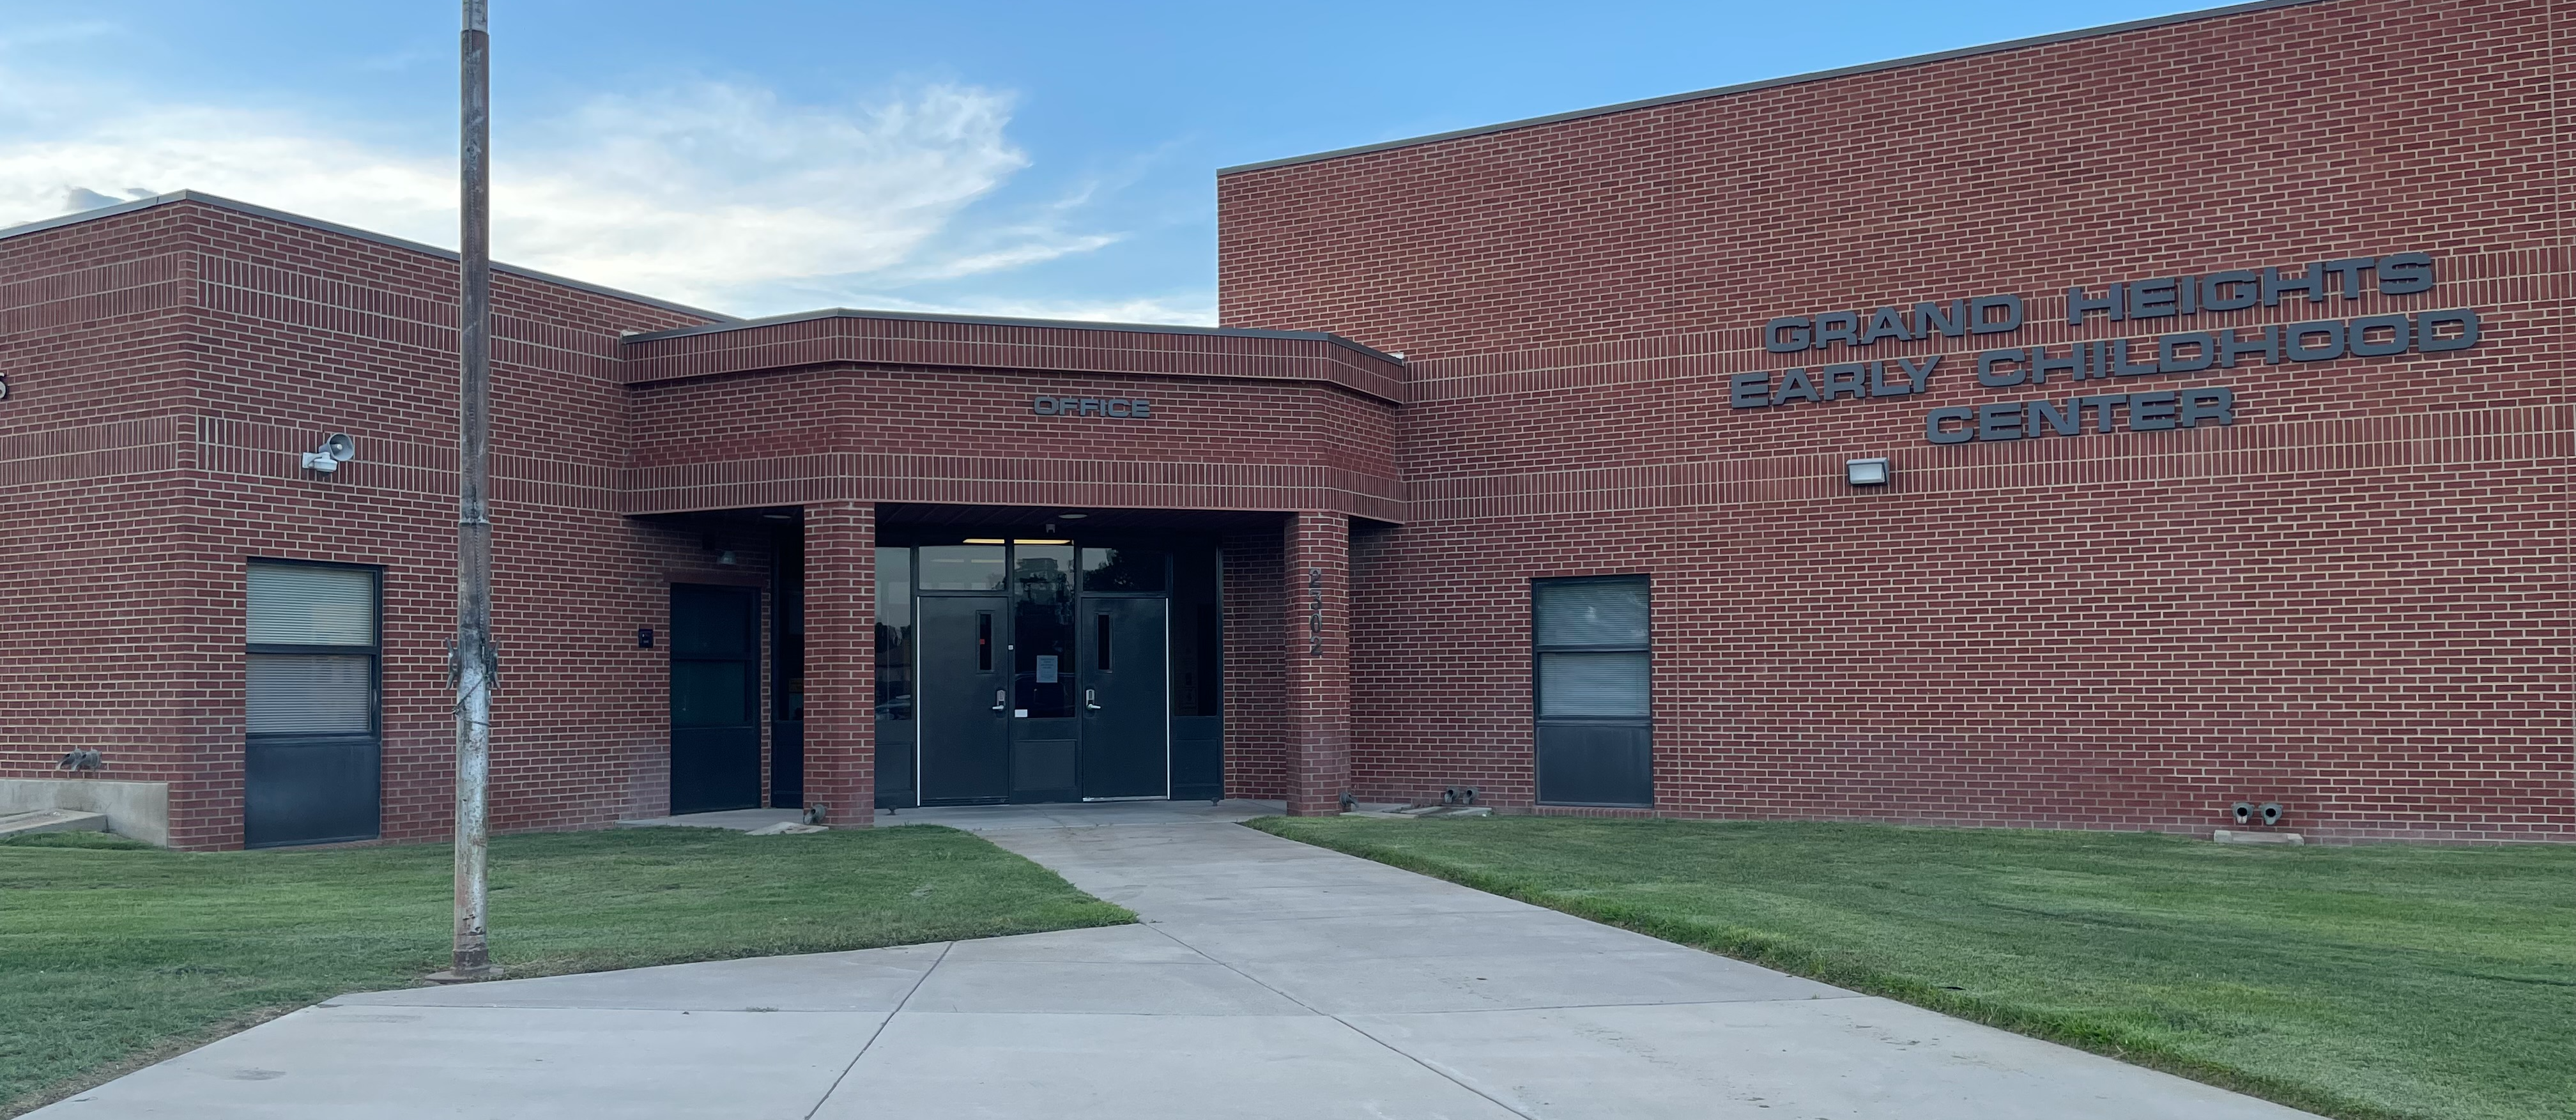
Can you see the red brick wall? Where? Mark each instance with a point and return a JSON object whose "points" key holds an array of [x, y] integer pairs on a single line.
{"points": [[167, 366], [840, 661], [1257, 636], [2353, 601], [99, 616], [910, 434], [848, 431], [1317, 686]]}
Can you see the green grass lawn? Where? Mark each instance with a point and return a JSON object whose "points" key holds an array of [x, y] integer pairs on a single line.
{"points": [[2366, 982], [112, 953]]}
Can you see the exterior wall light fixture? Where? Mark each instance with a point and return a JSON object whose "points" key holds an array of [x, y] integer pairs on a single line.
{"points": [[1865, 472]]}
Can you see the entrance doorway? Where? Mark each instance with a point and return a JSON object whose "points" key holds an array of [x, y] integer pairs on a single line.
{"points": [[715, 698], [1040, 669], [965, 707], [1124, 710]]}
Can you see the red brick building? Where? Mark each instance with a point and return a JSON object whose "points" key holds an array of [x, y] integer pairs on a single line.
{"points": [[2098, 431]]}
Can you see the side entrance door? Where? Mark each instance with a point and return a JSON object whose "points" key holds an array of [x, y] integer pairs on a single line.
{"points": [[715, 698], [1125, 705], [965, 699]]}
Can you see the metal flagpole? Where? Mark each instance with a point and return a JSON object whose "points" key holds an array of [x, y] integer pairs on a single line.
{"points": [[471, 662]]}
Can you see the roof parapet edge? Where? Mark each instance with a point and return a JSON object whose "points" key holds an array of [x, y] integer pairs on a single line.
{"points": [[1772, 83], [221, 203], [1005, 321]]}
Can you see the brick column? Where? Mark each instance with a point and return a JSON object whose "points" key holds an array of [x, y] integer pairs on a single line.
{"points": [[1318, 555], [840, 661]]}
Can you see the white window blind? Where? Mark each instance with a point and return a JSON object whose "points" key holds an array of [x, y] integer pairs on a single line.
{"points": [[304, 605], [1594, 660], [310, 694], [314, 692], [1597, 685]]}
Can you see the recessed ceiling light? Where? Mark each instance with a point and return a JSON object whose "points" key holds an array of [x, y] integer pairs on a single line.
{"points": [[1072, 516]]}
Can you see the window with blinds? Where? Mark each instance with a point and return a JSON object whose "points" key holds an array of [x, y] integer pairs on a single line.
{"points": [[312, 650], [1592, 648]]}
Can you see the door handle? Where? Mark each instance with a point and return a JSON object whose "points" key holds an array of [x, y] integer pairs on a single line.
{"points": [[1001, 699], [1090, 698]]}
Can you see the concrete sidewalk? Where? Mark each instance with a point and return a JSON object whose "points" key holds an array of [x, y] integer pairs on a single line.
{"points": [[1270, 979]]}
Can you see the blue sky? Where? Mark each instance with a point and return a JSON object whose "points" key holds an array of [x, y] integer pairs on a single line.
{"points": [[1004, 158]]}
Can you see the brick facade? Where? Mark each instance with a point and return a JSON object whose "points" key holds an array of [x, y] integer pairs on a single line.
{"points": [[167, 363], [2351, 600], [840, 661], [1317, 685]]}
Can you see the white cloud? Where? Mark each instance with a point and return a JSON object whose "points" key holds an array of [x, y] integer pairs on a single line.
{"points": [[709, 193], [721, 181]]}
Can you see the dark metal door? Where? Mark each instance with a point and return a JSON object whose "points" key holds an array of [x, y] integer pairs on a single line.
{"points": [[965, 699], [1125, 702], [715, 698]]}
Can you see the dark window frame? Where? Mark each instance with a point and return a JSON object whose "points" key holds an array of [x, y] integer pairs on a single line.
{"points": [[1540, 720], [375, 652]]}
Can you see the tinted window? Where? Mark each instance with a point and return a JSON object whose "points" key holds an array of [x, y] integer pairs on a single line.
{"points": [[1592, 613], [894, 634], [1125, 569], [962, 567], [1594, 665], [307, 694], [311, 667], [311, 605], [1042, 664]]}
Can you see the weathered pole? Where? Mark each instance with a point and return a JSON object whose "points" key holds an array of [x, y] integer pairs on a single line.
{"points": [[472, 662]]}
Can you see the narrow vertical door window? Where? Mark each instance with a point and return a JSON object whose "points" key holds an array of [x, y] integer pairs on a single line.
{"points": [[1045, 638], [896, 742]]}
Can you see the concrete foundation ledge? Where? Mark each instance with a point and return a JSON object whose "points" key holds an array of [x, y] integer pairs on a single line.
{"points": [[2226, 836], [140, 810], [51, 820]]}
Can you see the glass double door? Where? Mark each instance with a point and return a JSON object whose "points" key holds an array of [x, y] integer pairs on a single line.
{"points": [[1044, 691]]}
